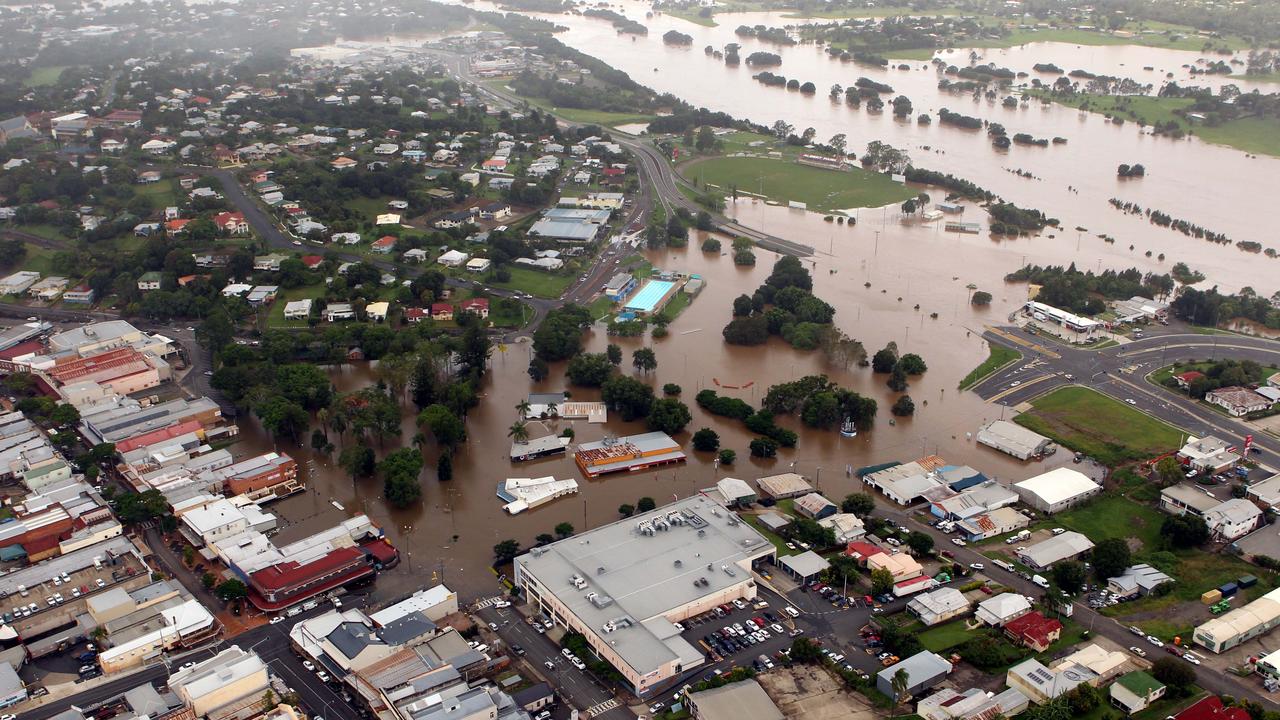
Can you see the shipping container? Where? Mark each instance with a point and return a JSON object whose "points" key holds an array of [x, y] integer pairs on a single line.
{"points": [[1211, 597], [1229, 589], [1247, 581]]}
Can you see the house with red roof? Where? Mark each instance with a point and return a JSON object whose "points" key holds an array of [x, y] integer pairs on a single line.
{"points": [[312, 261], [860, 551], [479, 306], [1211, 708], [1034, 630], [384, 244], [441, 311], [232, 223], [415, 315], [176, 226], [1185, 379]]}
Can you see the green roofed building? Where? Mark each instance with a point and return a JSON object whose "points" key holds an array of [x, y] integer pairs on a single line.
{"points": [[1135, 691]]}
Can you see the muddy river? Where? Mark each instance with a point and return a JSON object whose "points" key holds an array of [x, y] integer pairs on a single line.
{"points": [[914, 270]]}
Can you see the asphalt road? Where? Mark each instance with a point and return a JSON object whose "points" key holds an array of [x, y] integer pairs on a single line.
{"points": [[1120, 373]]}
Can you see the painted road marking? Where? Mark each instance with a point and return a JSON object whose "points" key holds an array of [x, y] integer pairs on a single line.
{"points": [[488, 602], [1025, 383], [1026, 343], [604, 707]]}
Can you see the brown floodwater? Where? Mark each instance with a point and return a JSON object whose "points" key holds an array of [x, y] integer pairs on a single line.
{"points": [[914, 270]]}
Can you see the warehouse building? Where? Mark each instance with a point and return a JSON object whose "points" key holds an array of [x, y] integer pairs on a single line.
{"points": [[743, 700], [1240, 625], [784, 485], [1013, 439], [924, 671], [624, 584], [1057, 490], [1067, 546]]}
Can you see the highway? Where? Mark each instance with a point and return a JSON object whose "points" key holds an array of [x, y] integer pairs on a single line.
{"points": [[1120, 372]]}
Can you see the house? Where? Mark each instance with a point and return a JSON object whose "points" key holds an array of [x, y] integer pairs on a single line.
{"points": [[415, 315], [1237, 401], [901, 566], [479, 265], [339, 311], [815, 506], [232, 223], [262, 295], [846, 526], [1067, 546], [495, 210], [81, 294], [269, 262], [441, 311], [938, 606], [298, 309], [453, 220], [311, 262], [452, 258], [48, 289], [377, 311], [1002, 608], [16, 128], [342, 163], [384, 244], [1103, 664], [1040, 684], [1185, 379], [387, 219], [149, 281], [1137, 580], [1033, 630], [1134, 692], [174, 227], [158, 146], [972, 704], [479, 306], [1057, 490], [1233, 519], [924, 671], [346, 238], [236, 290]]}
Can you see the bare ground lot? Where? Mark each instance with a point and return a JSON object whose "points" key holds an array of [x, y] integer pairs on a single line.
{"points": [[807, 692]]}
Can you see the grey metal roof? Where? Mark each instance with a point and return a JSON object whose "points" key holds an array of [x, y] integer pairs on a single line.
{"points": [[743, 700], [351, 638], [806, 564], [401, 631]]}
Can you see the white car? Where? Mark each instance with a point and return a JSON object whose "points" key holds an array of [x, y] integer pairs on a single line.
{"points": [[308, 665], [277, 619], [958, 542], [1131, 401], [791, 611], [493, 627], [976, 566], [1155, 641], [1138, 651], [1189, 658], [502, 604]]}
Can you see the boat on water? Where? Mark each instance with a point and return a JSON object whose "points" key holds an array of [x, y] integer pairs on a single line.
{"points": [[848, 429]]}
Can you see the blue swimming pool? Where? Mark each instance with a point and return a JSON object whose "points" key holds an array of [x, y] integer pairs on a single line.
{"points": [[649, 296]]}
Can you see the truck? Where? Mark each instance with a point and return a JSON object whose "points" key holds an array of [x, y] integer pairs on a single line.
{"points": [[1018, 537]]}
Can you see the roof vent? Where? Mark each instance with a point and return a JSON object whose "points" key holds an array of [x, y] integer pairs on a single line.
{"points": [[678, 563], [600, 570]]}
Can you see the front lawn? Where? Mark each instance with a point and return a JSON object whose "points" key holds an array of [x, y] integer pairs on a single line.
{"points": [[818, 188], [1114, 516], [1103, 428], [275, 317], [946, 636]]}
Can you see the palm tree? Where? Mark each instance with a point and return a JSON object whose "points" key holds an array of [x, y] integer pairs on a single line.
{"points": [[519, 432], [322, 417], [523, 407], [552, 409], [900, 682]]}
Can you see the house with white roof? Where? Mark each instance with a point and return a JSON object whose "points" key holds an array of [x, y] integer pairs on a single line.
{"points": [[1233, 519], [1002, 608]]}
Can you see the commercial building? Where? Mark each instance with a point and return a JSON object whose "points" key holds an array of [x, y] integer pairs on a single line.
{"points": [[565, 231], [991, 524], [924, 671], [815, 507], [938, 606], [1208, 454], [125, 418], [1040, 684], [1137, 580], [1057, 490], [1241, 624], [140, 625], [1233, 519], [735, 492], [523, 494], [1013, 439], [783, 486], [624, 584], [432, 603], [742, 700], [907, 483], [261, 478], [804, 566], [1265, 492], [972, 704], [629, 453], [1067, 546], [974, 500], [231, 684], [1083, 327], [1134, 692], [12, 689], [18, 282], [1186, 498], [619, 286]]}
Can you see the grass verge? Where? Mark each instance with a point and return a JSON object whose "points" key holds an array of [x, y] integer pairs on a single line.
{"points": [[535, 282], [998, 357], [1092, 423], [819, 189]]}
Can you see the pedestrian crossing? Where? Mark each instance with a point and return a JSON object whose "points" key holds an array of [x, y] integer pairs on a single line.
{"points": [[602, 708], [488, 602]]}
